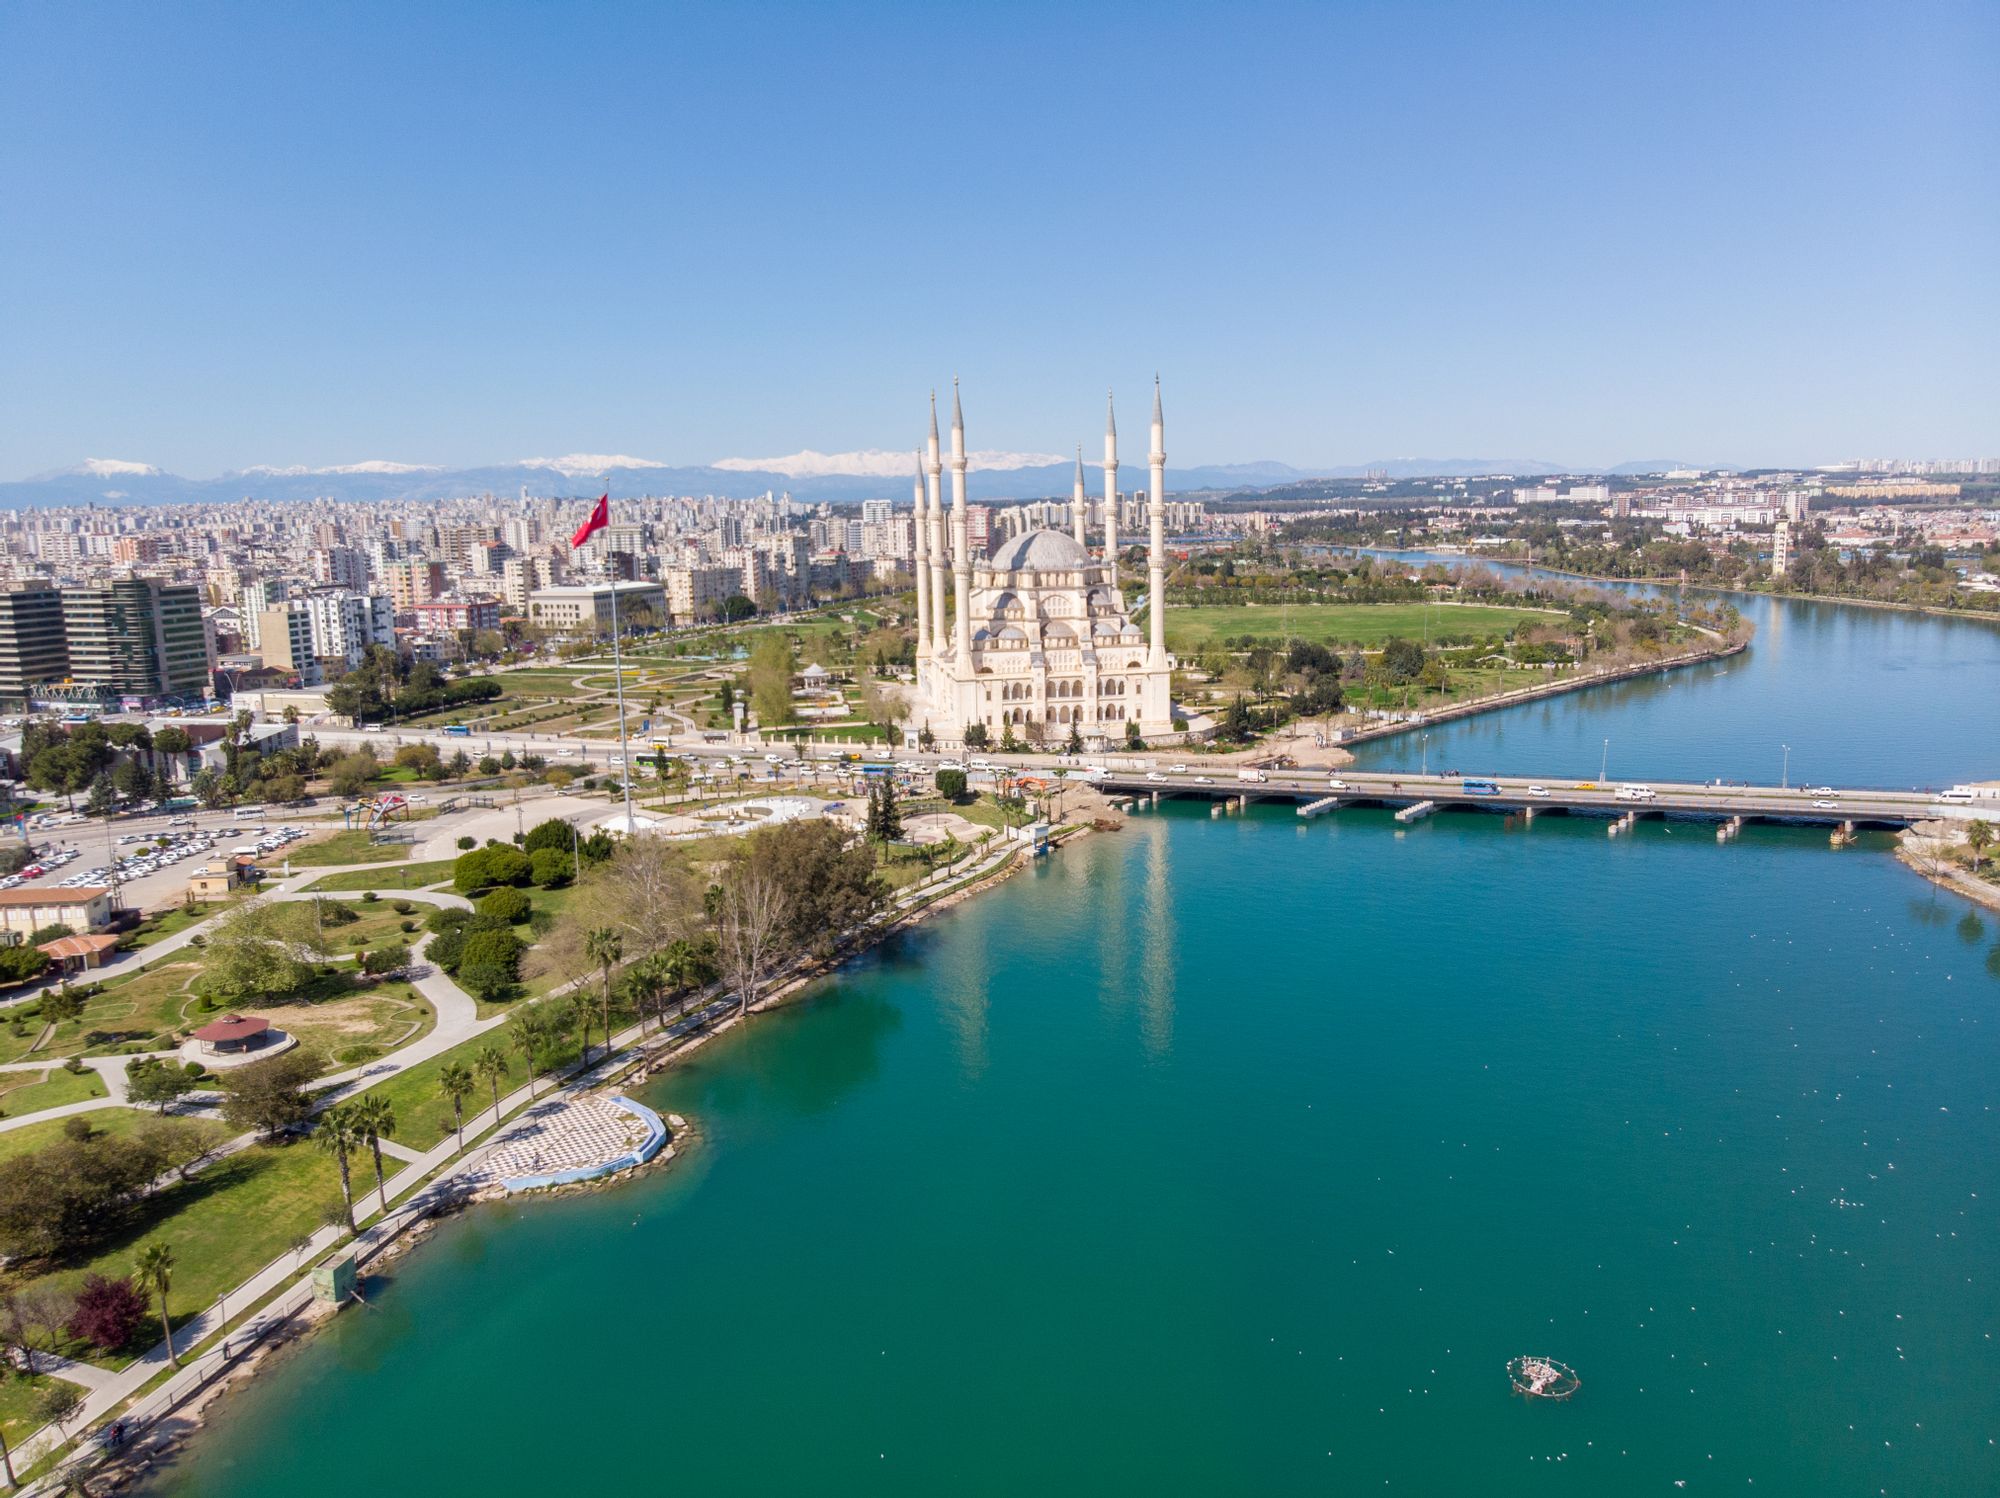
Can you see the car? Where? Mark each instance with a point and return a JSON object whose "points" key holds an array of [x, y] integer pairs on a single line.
{"points": [[1821, 790], [1156, 777], [373, 728], [1823, 804], [1587, 785], [1335, 783], [1538, 790], [1177, 769], [949, 764], [1204, 780]]}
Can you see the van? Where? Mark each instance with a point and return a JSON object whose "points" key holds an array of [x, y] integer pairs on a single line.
{"points": [[1636, 793]]}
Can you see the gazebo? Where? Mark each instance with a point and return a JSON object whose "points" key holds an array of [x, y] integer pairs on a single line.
{"points": [[233, 1034]]}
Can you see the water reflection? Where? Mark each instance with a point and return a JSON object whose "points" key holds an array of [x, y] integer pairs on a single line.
{"points": [[1157, 997]]}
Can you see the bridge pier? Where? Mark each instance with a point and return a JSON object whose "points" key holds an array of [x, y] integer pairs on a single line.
{"points": [[1416, 813], [1624, 824], [1728, 830]]}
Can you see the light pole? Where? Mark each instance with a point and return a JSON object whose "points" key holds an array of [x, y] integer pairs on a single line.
{"points": [[1785, 777]]}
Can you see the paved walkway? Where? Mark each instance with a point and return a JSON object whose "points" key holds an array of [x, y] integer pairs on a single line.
{"points": [[565, 1132]]}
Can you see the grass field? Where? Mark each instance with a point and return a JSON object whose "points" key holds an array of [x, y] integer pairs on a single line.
{"points": [[351, 846], [1364, 624], [54, 1088], [30, 1137], [400, 876]]}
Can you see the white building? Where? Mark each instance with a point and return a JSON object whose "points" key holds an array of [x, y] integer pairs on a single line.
{"points": [[1037, 638], [345, 624], [586, 608]]}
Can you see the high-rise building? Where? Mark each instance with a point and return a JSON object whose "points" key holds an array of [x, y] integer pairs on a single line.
{"points": [[32, 648], [286, 631], [345, 624], [138, 637], [258, 596]]}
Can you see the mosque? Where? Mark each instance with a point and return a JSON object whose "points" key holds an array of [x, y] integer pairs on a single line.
{"points": [[1037, 637]]}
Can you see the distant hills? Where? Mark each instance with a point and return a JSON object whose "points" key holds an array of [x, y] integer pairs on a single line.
{"points": [[1009, 476]]}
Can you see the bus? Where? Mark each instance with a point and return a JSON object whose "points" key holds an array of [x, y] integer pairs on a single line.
{"points": [[1479, 787], [458, 730]]}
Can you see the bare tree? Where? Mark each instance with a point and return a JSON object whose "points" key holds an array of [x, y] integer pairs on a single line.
{"points": [[34, 1320], [749, 922]]}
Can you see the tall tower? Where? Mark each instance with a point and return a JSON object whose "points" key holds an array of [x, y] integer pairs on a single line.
{"points": [[1078, 504], [1110, 490], [922, 568], [1156, 560], [937, 538], [961, 553]]}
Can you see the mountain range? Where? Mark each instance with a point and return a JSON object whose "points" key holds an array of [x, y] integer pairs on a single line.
{"points": [[839, 478]]}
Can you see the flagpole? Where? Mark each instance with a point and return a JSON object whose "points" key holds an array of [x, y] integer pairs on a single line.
{"points": [[618, 670]]}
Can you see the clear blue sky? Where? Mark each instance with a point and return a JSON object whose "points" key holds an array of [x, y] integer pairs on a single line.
{"points": [[264, 233]]}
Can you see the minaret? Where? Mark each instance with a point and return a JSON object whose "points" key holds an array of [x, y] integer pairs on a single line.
{"points": [[1110, 491], [961, 552], [1156, 560], [1078, 504], [937, 538], [923, 569]]}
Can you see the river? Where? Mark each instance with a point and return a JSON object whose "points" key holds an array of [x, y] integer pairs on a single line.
{"points": [[1238, 1155]]}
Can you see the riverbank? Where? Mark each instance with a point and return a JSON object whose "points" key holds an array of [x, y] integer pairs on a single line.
{"points": [[1990, 616], [1556, 688], [158, 1422]]}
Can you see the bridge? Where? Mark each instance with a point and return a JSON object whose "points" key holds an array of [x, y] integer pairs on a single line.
{"points": [[1321, 791]]}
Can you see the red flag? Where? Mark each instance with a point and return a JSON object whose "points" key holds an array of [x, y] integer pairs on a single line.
{"points": [[599, 518]]}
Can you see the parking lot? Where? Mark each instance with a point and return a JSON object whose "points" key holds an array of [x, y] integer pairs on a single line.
{"points": [[148, 859]]}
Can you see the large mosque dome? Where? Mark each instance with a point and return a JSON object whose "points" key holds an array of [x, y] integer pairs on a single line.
{"points": [[1040, 551]]}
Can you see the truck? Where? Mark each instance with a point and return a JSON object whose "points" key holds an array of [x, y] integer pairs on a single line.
{"points": [[1255, 777]]}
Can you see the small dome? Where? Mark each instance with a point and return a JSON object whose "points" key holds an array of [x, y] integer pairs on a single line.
{"points": [[1041, 551]]}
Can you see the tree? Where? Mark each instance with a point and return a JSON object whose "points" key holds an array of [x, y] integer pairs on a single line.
{"points": [[349, 775], [455, 1084], [885, 707], [375, 1118], [261, 950], [108, 1312], [604, 948], [490, 1062], [209, 788], [270, 1095], [1132, 739], [975, 736], [338, 1135], [391, 958], [753, 911], [1074, 743], [155, 1265], [532, 1033], [20, 963], [1979, 837], [646, 986], [59, 1401], [1237, 725], [885, 820], [180, 1144], [154, 1083], [951, 784], [61, 1005], [553, 834], [772, 666], [36, 1314], [506, 904]]}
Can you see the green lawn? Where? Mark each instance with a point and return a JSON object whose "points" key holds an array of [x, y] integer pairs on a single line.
{"points": [[402, 876], [223, 1225], [18, 1419], [55, 1089], [33, 1136], [351, 846], [1364, 624], [164, 923], [131, 1010]]}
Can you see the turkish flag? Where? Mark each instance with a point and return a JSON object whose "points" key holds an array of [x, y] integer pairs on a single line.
{"points": [[599, 518]]}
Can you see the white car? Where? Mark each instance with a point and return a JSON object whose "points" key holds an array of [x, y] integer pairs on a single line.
{"points": [[1823, 804], [1538, 790], [1156, 777], [1335, 783], [1821, 790], [373, 728], [1177, 769], [774, 759]]}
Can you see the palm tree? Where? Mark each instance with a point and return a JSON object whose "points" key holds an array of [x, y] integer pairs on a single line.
{"points": [[527, 1039], [155, 1264], [1979, 834], [687, 967], [646, 984], [491, 1063], [605, 947], [455, 1081], [375, 1117], [337, 1134]]}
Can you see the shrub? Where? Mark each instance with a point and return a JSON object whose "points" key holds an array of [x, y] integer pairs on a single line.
{"points": [[467, 844], [401, 907], [390, 959], [951, 784], [483, 868], [446, 918], [53, 932], [18, 964], [369, 897], [553, 833], [447, 948], [551, 868], [501, 949], [510, 905], [406, 927]]}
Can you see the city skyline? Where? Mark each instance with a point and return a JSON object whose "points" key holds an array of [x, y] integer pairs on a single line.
{"points": [[265, 239]]}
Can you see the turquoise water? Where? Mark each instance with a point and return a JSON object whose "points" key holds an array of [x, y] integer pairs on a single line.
{"points": [[1236, 1155]]}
